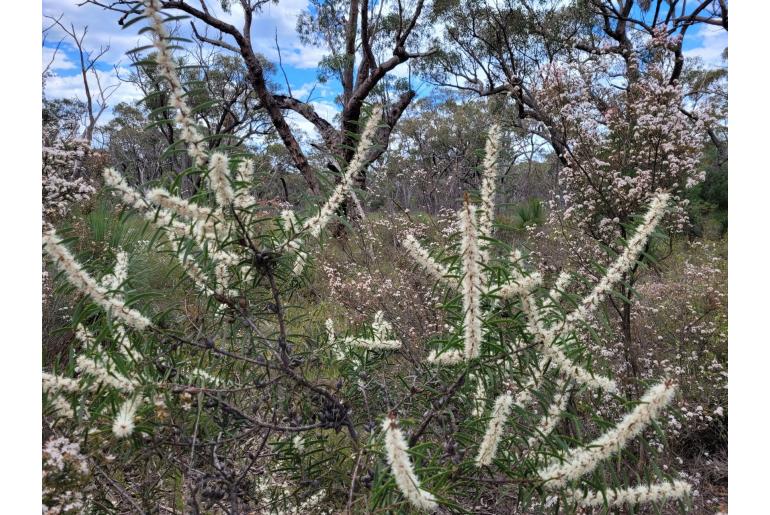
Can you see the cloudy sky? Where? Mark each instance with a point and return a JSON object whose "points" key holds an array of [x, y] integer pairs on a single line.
{"points": [[299, 60]]}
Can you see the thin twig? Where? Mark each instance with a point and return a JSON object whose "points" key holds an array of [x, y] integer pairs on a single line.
{"points": [[122, 491]]}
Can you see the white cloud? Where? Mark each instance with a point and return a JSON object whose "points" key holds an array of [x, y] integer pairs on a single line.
{"points": [[326, 110], [280, 20], [103, 28], [57, 59], [303, 56], [310, 91], [713, 41]]}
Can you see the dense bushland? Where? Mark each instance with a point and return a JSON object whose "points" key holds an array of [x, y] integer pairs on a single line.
{"points": [[448, 318]]}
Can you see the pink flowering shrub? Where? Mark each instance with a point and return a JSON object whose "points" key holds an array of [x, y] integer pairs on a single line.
{"points": [[627, 135]]}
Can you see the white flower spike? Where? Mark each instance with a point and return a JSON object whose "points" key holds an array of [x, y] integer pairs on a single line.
{"points": [[401, 466]]}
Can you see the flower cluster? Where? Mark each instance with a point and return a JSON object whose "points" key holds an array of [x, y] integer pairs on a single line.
{"points": [[626, 141], [81, 279], [225, 246], [201, 237], [65, 472], [184, 116], [472, 282], [635, 495], [123, 425], [494, 432], [63, 180], [315, 224]]}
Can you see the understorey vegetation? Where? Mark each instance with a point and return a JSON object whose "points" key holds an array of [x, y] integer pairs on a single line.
{"points": [[511, 299]]}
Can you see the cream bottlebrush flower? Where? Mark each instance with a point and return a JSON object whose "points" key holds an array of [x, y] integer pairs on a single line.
{"points": [[329, 325], [88, 285], [222, 275], [402, 469], [547, 338], [184, 116], [289, 222], [113, 282], [448, 357], [132, 198], [119, 273], [632, 496], [381, 327], [479, 397], [219, 178], [291, 227], [243, 196], [625, 261], [489, 186], [62, 407], [421, 256], [123, 425], [373, 344], [182, 207], [491, 440], [300, 262], [113, 179], [471, 282], [84, 336], [581, 461], [578, 373], [522, 285], [57, 383], [316, 224], [104, 374], [547, 424]]}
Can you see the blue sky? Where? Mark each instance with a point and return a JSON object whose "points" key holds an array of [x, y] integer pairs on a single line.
{"points": [[300, 61]]}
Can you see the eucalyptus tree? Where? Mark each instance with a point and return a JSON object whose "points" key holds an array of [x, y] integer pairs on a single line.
{"points": [[226, 108], [365, 42]]}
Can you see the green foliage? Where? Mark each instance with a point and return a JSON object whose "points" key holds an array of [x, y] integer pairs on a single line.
{"points": [[528, 214]]}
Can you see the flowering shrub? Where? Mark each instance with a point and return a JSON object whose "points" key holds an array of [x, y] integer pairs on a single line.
{"points": [[63, 180], [277, 412], [65, 477], [627, 136]]}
